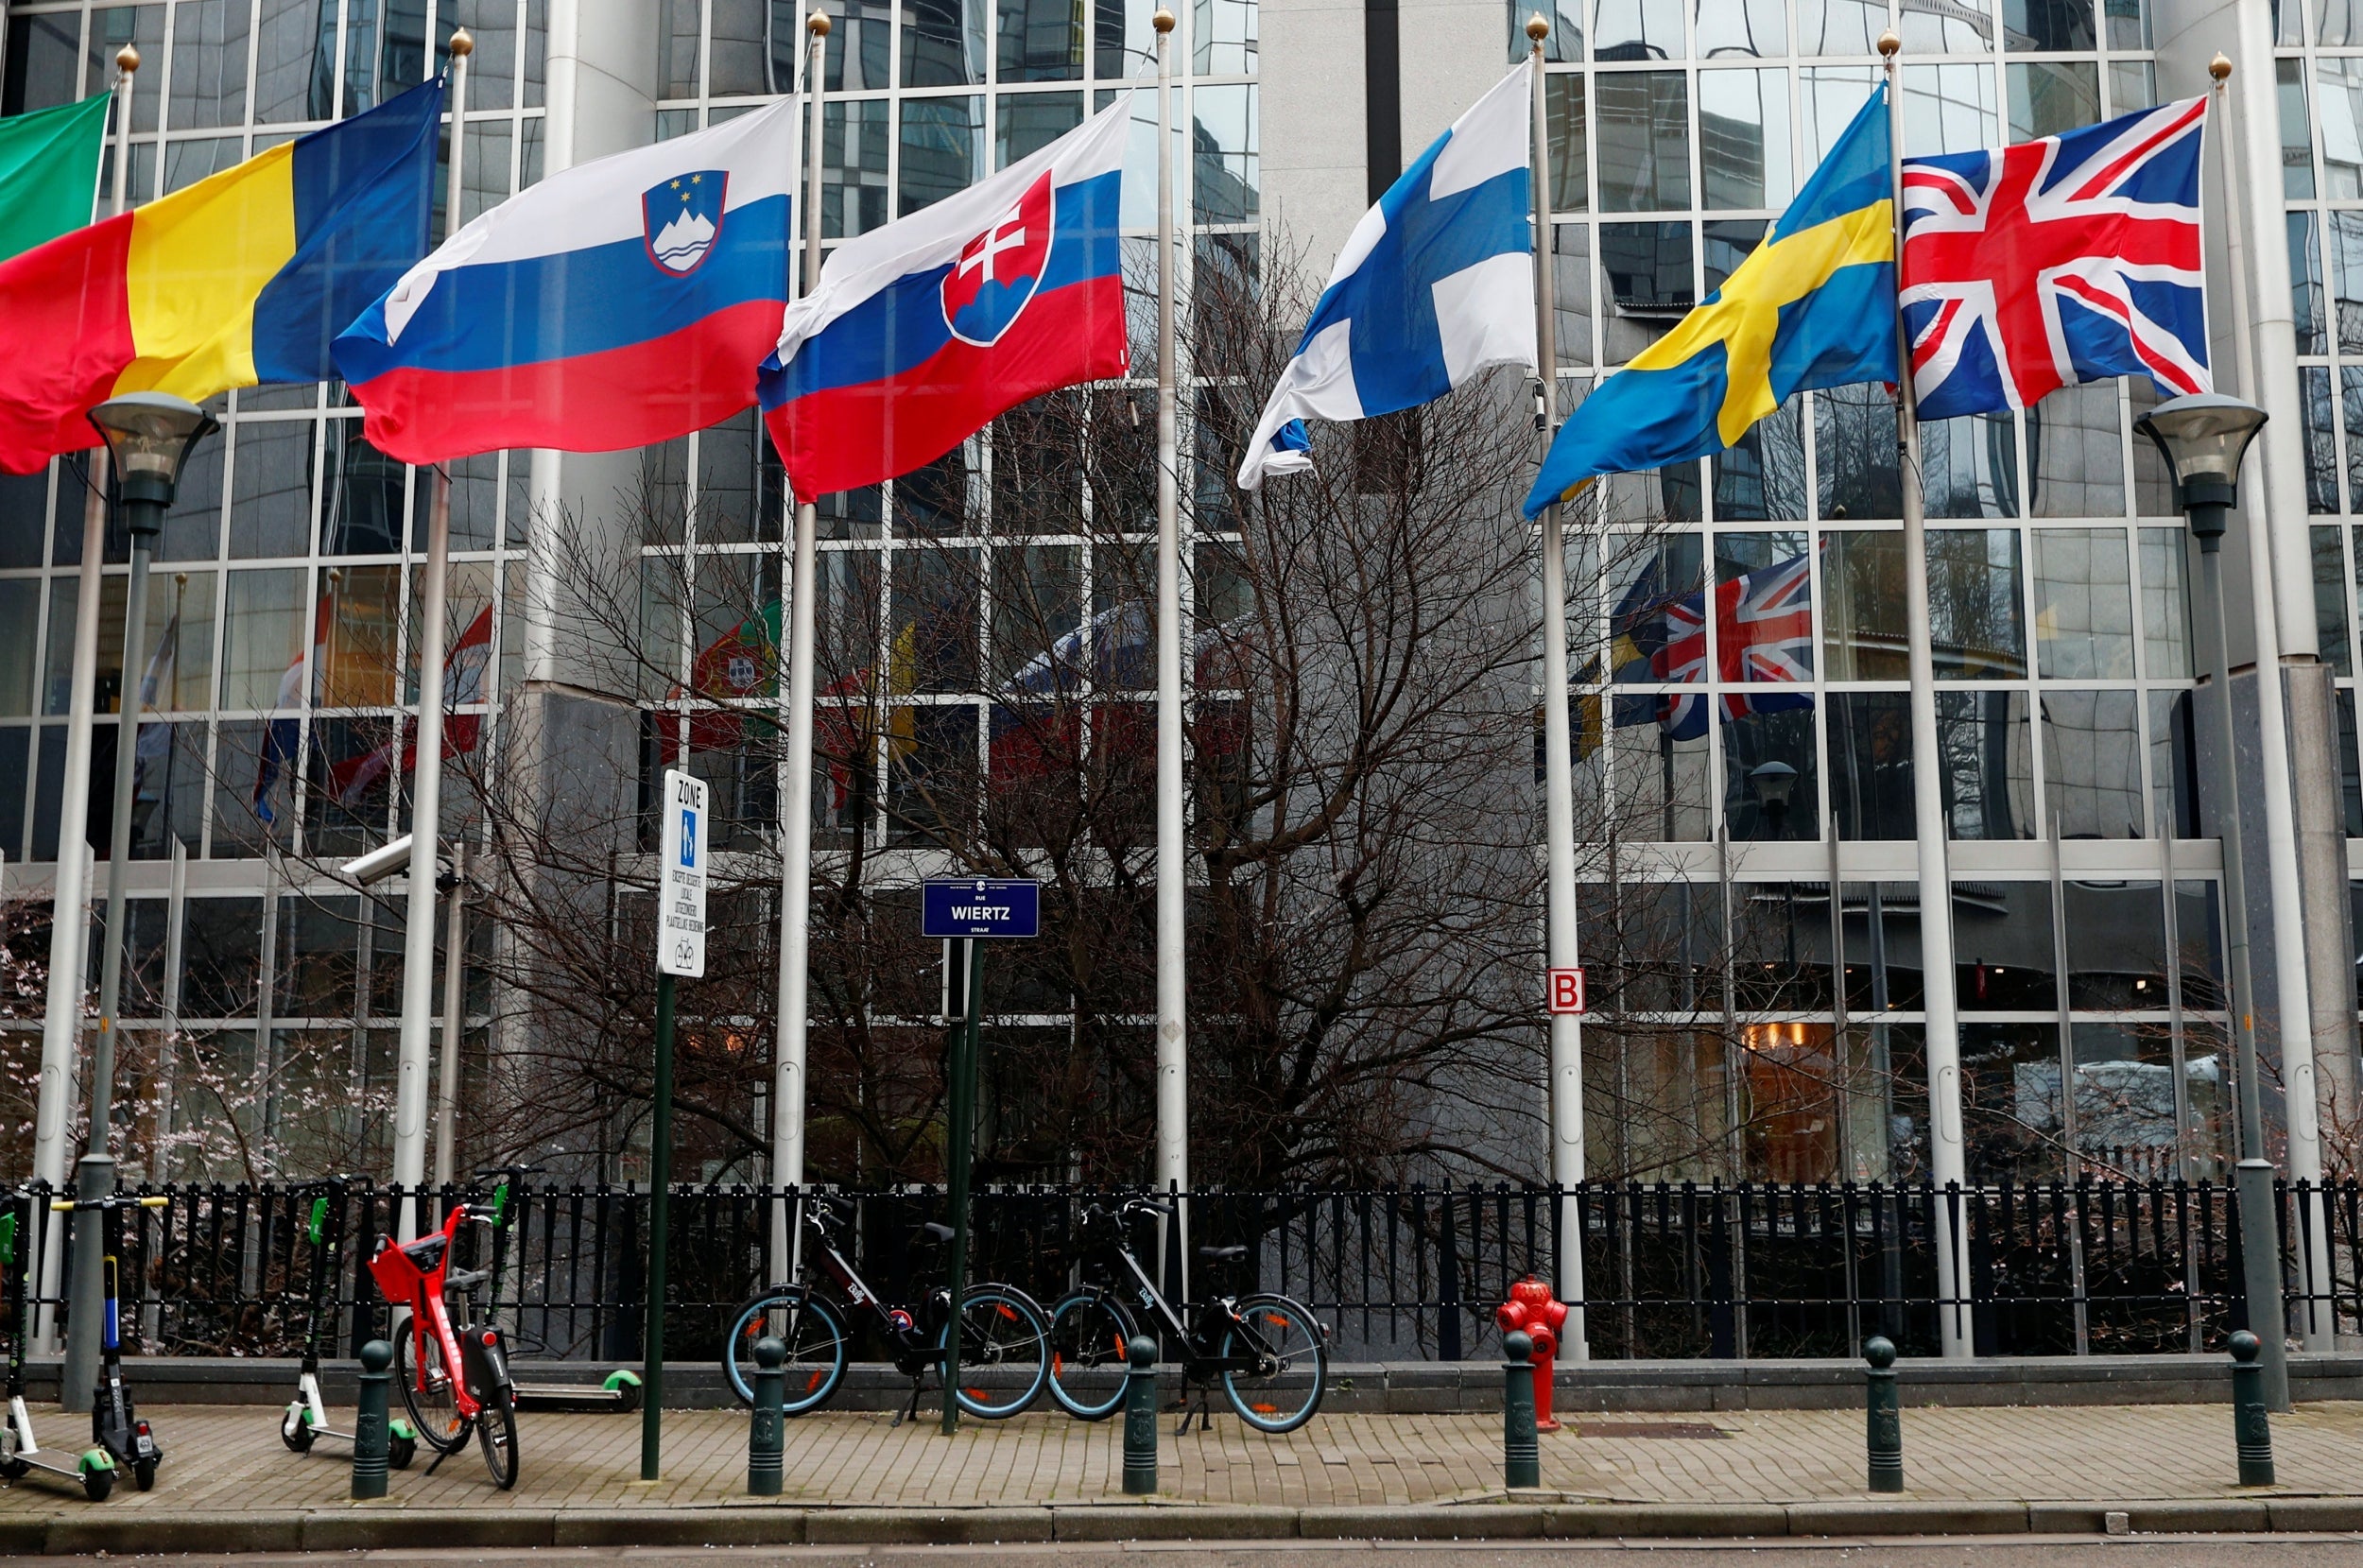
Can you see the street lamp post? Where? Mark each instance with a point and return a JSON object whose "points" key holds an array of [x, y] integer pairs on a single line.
{"points": [[148, 436], [2203, 439]]}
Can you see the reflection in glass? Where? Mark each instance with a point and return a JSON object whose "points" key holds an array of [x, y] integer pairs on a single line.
{"points": [[1224, 148], [1862, 589], [2083, 605], [2042, 27], [1571, 180], [1662, 785], [1941, 27], [2321, 443], [2076, 466], [1744, 140], [2173, 766], [2165, 604], [2329, 597], [1970, 466], [2124, 1100], [943, 147], [2307, 293], [1223, 33], [944, 43], [263, 640], [2093, 762], [2003, 956], [1949, 108], [2010, 1115], [1870, 764], [1741, 27], [2297, 137], [1646, 282], [1644, 121], [1040, 40], [1840, 26], [1975, 617], [1029, 122], [1988, 758], [1638, 29], [1855, 469], [1769, 730], [1571, 292], [1761, 478], [1561, 45], [271, 494], [2052, 96], [2351, 399], [1793, 1109], [2132, 84], [853, 143], [2198, 942]]}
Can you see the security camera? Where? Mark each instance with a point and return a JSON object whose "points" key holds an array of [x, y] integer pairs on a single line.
{"points": [[380, 863]]}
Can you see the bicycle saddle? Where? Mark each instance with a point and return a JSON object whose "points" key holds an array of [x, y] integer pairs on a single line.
{"points": [[934, 1232], [1221, 1254], [426, 1251]]}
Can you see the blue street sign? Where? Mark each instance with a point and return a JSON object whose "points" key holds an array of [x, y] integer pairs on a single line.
{"points": [[981, 906]]}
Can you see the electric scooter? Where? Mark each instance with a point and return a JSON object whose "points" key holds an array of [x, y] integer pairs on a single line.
{"points": [[115, 1426], [306, 1416], [93, 1472], [621, 1388]]}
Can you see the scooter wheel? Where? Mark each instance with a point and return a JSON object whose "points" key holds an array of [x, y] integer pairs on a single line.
{"points": [[13, 1470], [400, 1452], [98, 1484], [144, 1475], [295, 1430]]}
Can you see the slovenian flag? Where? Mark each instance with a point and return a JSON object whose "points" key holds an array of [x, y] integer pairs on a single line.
{"points": [[922, 332], [620, 303], [242, 278]]}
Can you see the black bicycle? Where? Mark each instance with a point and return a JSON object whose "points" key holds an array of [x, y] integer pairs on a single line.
{"points": [[1267, 1351], [1002, 1333]]}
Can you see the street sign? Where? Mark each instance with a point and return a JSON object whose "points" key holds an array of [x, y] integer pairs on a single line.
{"points": [[1566, 991], [681, 930], [981, 906]]}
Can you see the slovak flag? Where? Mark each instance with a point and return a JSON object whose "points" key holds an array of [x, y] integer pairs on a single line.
{"points": [[619, 303], [921, 332], [2073, 258]]}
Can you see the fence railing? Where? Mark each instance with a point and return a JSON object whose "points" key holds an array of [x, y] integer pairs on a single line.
{"points": [[1670, 1270]]}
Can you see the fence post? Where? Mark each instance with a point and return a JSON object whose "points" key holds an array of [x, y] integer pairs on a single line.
{"points": [[1140, 1416], [2252, 1427], [370, 1435], [1521, 1451], [1885, 1423], [765, 1439]]}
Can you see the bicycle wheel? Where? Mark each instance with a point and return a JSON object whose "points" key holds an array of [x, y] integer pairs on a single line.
{"points": [[1293, 1363], [1003, 1350], [1088, 1336], [496, 1435], [433, 1409], [818, 1348]]}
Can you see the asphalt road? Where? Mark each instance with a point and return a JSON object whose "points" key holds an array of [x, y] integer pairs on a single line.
{"points": [[2220, 1551]]}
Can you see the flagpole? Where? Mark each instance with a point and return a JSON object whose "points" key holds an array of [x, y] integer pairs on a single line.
{"points": [[787, 1084], [1173, 1148], [426, 793], [1558, 787], [1947, 1158], [61, 1017]]}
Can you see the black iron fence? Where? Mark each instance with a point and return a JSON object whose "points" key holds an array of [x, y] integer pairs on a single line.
{"points": [[1670, 1270]]}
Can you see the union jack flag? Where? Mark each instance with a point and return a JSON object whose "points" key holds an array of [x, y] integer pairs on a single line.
{"points": [[1763, 636], [2073, 258]]}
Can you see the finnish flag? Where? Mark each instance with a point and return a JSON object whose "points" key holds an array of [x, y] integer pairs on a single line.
{"points": [[1434, 283]]}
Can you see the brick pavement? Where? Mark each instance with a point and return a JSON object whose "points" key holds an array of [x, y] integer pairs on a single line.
{"points": [[230, 1458]]}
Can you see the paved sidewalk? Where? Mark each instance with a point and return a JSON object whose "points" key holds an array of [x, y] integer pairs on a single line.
{"points": [[1757, 1473]]}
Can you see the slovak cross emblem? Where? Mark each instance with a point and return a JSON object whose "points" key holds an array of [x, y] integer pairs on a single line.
{"points": [[682, 218], [999, 270]]}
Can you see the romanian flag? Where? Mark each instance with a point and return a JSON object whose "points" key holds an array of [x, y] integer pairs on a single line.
{"points": [[243, 278]]}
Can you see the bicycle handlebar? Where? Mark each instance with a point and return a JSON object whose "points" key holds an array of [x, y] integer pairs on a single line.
{"points": [[66, 1205]]}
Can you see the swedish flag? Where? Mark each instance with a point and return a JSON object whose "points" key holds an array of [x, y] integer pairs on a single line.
{"points": [[1814, 306]]}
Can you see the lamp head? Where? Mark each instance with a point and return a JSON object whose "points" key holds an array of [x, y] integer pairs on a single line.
{"points": [[1774, 782], [2203, 437], [150, 435]]}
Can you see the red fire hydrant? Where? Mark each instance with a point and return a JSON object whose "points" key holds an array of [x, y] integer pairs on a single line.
{"points": [[1532, 1309]]}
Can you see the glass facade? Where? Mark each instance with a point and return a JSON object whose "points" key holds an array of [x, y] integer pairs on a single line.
{"points": [[1734, 746]]}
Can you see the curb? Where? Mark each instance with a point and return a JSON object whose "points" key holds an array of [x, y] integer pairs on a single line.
{"points": [[740, 1523]]}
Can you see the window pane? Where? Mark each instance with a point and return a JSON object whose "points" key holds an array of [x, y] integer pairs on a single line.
{"points": [[2074, 459], [209, 45], [1769, 788], [2296, 138], [2123, 1098], [943, 149], [2132, 84], [1862, 588], [2001, 942], [20, 662], [2173, 766], [2093, 762], [944, 43], [1645, 141], [2340, 26], [2042, 26], [1762, 478], [1040, 40], [264, 640], [272, 489], [853, 166], [858, 49], [2050, 96], [2306, 283], [1975, 617], [1948, 109], [1840, 26], [2083, 605], [1742, 27], [2011, 1100], [1934, 29], [1571, 293], [176, 657], [1224, 33], [1870, 764], [2329, 597], [1562, 97], [2321, 448], [1656, 598], [1646, 284], [1225, 148], [43, 70], [1989, 765], [1030, 121], [1855, 467], [1637, 29], [1661, 782], [2351, 396], [1744, 140], [1970, 466], [1564, 42]]}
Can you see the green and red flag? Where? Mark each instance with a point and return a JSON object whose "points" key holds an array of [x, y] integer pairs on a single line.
{"points": [[50, 172]]}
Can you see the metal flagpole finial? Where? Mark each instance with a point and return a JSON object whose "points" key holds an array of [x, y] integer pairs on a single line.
{"points": [[818, 23], [1538, 29], [462, 44], [1889, 44], [128, 59], [1163, 21], [2220, 67]]}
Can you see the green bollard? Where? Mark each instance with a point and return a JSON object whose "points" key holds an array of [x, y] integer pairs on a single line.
{"points": [[1140, 1416], [1522, 1449], [369, 1434], [1886, 1422], [768, 1439], [2252, 1427]]}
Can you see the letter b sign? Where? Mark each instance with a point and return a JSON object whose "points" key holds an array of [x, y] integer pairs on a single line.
{"points": [[1566, 991]]}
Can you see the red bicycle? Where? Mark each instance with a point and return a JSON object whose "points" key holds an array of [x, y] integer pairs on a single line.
{"points": [[481, 1399]]}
